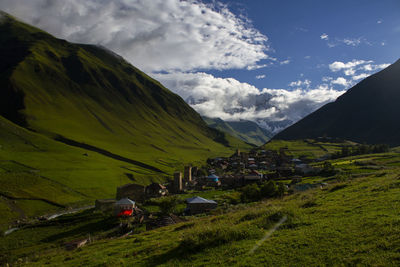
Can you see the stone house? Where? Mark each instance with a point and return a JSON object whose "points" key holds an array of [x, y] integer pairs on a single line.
{"points": [[156, 190], [196, 205]]}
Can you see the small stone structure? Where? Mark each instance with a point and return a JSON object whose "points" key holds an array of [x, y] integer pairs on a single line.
{"points": [[156, 190], [124, 205], [178, 186], [198, 204], [188, 174]]}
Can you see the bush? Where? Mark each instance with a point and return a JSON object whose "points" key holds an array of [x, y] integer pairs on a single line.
{"points": [[269, 189], [168, 204], [250, 193], [280, 192]]}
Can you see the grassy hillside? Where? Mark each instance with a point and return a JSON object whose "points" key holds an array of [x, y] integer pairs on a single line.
{"points": [[309, 148], [353, 221], [366, 113], [75, 119], [247, 131]]}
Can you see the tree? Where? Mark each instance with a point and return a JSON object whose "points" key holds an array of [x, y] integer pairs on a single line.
{"points": [[250, 193], [268, 189], [280, 192], [168, 204]]}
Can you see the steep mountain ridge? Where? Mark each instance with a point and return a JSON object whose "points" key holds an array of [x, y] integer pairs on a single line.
{"points": [[88, 94], [368, 112]]}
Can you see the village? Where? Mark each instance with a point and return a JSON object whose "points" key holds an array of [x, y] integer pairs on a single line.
{"points": [[234, 173]]}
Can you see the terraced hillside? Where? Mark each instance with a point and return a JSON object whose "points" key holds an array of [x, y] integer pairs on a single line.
{"points": [[75, 119]]}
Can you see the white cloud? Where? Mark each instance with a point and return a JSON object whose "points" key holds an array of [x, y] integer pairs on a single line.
{"points": [[285, 62], [341, 81], [360, 76], [338, 65], [230, 99], [357, 69], [155, 35], [300, 83], [324, 36], [260, 76], [326, 79], [333, 42], [372, 67], [383, 43], [379, 22], [307, 57], [352, 42]]}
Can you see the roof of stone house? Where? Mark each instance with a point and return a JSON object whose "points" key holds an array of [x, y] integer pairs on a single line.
{"points": [[125, 201], [198, 200]]}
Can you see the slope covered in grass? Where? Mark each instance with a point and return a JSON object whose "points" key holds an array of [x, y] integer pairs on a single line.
{"points": [[90, 95], [352, 222], [75, 119]]}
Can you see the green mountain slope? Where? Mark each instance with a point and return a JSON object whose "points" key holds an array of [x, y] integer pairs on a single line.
{"points": [[91, 118], [247, 131], [369, 112]]}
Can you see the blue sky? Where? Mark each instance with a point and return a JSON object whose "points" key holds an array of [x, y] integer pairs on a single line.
{"points": [[268, 61], [294, 29]]}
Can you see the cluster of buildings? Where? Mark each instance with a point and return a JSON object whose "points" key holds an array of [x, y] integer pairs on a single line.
{"points": [[237, 170]]}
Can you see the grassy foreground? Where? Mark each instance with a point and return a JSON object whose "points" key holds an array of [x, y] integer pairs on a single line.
{"points": [[352, 222]]}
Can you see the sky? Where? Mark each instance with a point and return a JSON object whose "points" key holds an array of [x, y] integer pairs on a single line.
{"points": [[269, 61]]}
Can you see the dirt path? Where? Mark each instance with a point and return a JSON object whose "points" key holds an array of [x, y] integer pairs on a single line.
{"points": [[14, 207]]}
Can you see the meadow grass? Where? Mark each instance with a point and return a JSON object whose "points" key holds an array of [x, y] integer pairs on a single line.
{"points": [[353, 222]]}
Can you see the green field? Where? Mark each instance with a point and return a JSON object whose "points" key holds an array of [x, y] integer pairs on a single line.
{"points": [[308, 148], [352, 221]]}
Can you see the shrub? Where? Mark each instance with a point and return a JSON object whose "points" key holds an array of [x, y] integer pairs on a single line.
{"points": [[250, 193], [168, 204], [269, 189], [281, 189]]}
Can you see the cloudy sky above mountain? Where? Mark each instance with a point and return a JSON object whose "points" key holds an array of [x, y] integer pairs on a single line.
{"points": [[235, 59]]}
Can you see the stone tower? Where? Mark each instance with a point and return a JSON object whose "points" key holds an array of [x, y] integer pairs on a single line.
{"points": [[178, 182], [188, 174]]}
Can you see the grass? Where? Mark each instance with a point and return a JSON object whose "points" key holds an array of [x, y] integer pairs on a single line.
{"points": [[308, 148], [85, 94], [352, 222]]}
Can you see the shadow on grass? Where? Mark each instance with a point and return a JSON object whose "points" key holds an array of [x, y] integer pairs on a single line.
{"points": [[197, 241]]}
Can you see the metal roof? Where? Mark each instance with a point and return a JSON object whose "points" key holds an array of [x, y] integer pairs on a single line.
{"points": [[125, 201], [199, 200]]}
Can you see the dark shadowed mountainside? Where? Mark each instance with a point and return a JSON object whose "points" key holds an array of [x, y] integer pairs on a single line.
{"points": [[368, 112]]}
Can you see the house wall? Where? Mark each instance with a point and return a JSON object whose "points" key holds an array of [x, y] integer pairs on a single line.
{"points": [[196, 208]]}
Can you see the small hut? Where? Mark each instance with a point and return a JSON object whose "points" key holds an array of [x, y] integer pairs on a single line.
{"points": [[198, 204], [124, 207]]}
